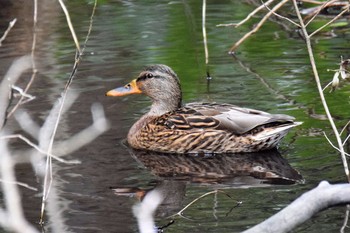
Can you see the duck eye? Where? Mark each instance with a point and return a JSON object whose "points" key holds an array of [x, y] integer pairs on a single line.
{"points": [[149, 75]]}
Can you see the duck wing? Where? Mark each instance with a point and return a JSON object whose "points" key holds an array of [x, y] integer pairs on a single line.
{"points": [[224, 117]]}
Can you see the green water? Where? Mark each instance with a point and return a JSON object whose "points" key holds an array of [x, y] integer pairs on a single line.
{"points": [[271, 72]]}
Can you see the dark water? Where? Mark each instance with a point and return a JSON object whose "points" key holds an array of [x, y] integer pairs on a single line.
{"points": [[271, 73]]}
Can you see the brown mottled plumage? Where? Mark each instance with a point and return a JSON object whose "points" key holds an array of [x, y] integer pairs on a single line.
{"points": [[197, 127]]}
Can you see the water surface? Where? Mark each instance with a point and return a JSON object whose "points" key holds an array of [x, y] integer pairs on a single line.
{"points": [[271, 73]]}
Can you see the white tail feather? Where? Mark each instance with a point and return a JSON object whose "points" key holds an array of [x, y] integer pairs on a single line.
{"points": [[281, 130]]}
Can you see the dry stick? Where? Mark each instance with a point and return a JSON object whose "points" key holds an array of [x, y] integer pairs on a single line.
{"points": [[303, 208], [257, 27], [330, 143], [319, 10], [11, 24], [15, 71], [346, 219], [205, 42], [12, 198], [344, 128], [319, 87], [205, 34], [312, 1], [198, 198], [32, 144], [278, 15], [19, 184], [34, 70], [195, 200], [248, 16], [71, 28], [47, 179], [331, 21], [346, 139]]}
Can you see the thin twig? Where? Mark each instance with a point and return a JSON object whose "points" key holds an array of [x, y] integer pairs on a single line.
{"points": [[18, 66], [48, 174], [32, 144], [195, 200], [11, 24], [346, 220], [324, 4], [344, 128], [20, 184], [34, 69], [319, 87], [312, 1], [331, 21], [198, 198], [204, 31], [248, 16], [12, 199], [23, 93], [346, 139], [280, 16], [69, 22], [330, 143], [257, 27], [330, 83]]}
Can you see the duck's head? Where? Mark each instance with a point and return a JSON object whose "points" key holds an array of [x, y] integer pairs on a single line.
{"points": [[160, 83]]}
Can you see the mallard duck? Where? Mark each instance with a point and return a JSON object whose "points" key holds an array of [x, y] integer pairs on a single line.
{"points": [[171, 127]]}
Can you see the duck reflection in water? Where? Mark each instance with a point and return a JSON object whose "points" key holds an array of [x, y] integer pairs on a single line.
{"points": [[249, 169], [174, 172]]}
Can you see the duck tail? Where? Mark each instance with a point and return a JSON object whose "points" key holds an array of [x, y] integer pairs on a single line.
{"points": [[275, 133]]}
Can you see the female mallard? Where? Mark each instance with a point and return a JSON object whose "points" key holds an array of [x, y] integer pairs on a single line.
{"points": [[197, 127]]}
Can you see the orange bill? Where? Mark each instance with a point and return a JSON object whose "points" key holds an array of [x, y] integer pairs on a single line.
{"points": [[130, 88]]}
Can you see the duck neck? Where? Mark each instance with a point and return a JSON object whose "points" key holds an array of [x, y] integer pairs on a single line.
{"points": [[160, 107]]}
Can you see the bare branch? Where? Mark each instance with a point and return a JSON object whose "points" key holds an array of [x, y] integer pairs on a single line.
{"points": [[16, 220], [248, 16], [144, 211], [257, 27], [69, 22], [17, 68], [346, 219], [324, 4], [280, 16], [34, 70], [37, 148], [330, 142], [319, 88], [331, 21], [99, 126], [303, 208], [20, 184], [204, 31], [79, 53], [11, 24]]}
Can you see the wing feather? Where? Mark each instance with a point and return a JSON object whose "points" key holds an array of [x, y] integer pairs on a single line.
{"points": [[222, 117]]}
